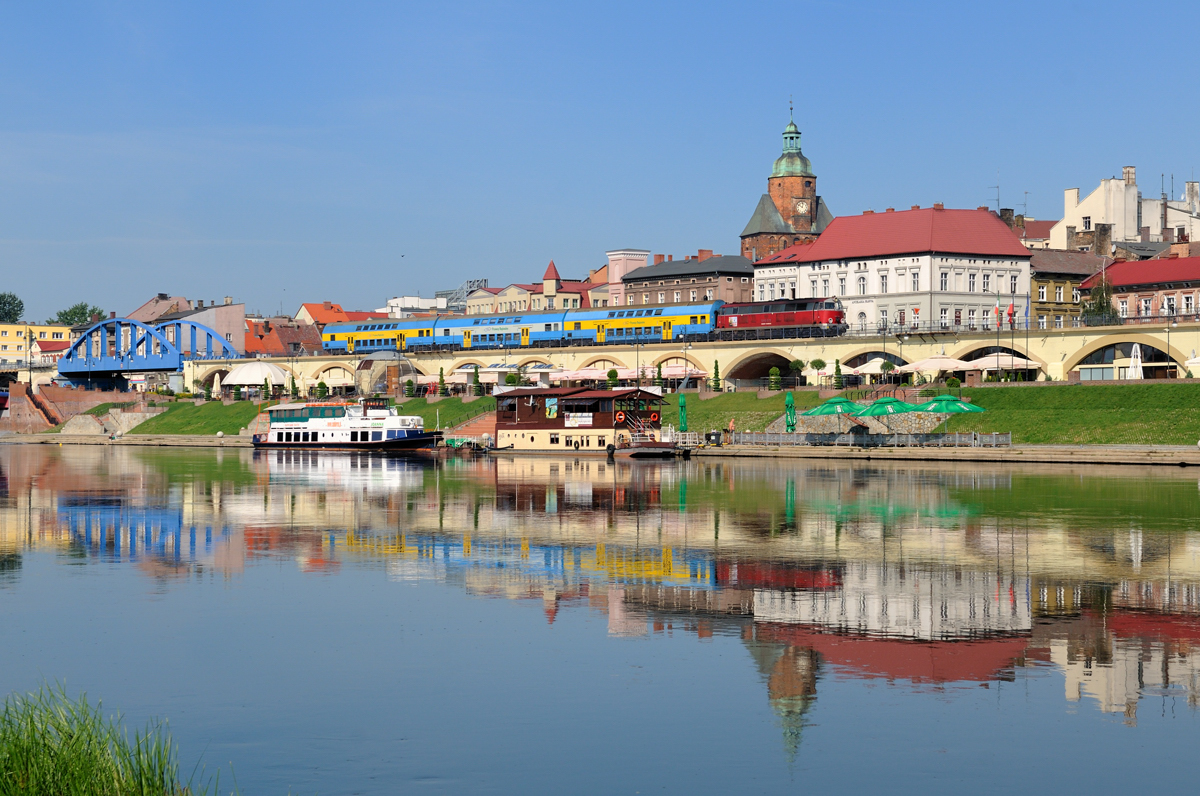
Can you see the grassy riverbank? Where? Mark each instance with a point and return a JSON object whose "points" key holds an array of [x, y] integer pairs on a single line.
{"points": [[450, 412], [749, 412], [206, 419], [1135, 414], [52, 744]]}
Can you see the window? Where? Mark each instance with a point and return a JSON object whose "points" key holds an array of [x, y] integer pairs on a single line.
{"points": [[629, 300], [745, 280], [662, 297], [1145, 309], [970, 283], [1170, 305], [825, 286], [841, 285], [1058, 324], [1041, 292], [1041, 321], [708, 294], [677, 294], [693, 298], [916, 281], [57, 336], [883, 319], [862, 286], [899, 317], [1124, 309], [970, 319], [883, 283], [762, 292], [1087, 223], [1187, 304], [645, 298], [945, 318], [1012, 284], [958, 317], [1058, 293], [814, 290], [945, 281], [987, 283]]}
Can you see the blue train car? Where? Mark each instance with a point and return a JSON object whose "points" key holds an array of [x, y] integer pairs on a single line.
{"points": [[378, 335], [513, 330], [642, 324]]}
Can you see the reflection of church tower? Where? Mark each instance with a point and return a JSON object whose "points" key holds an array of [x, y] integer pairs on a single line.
{"points": [[790, 211], [791, 675]]}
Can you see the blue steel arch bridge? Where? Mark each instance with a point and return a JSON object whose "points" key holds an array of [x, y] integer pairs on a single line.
{"points": [[112, 350]]}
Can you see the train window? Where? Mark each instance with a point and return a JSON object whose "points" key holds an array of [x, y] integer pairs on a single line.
{"points": [[612, 314], [578, 326], [547, 327], [658, 312], [829, 305], [693, 319]]}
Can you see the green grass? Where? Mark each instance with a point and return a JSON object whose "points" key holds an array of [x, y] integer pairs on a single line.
{"points": [[451, 411], [52, 744], [1135, 414], [749, 412], [207, 419]]}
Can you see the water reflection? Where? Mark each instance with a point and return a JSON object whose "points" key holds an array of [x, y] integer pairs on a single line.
{"points": [[922, 577]]}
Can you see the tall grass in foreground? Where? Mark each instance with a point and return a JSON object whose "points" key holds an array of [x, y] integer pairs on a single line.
{"points": [[52, 744]]}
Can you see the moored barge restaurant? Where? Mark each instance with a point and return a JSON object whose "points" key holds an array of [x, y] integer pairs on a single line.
{"points": [[577, 419]]}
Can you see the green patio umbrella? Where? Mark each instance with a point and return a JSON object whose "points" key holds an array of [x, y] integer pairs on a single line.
{"points": [[948, 405], [834, 406], [682, 411], [884, 407], [789, 413]]}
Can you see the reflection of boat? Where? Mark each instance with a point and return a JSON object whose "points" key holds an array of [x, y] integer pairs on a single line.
{"points": [[579, 421], [370, 424]]}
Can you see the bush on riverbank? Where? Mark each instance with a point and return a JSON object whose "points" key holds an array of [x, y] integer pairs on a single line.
{"points": [[52, 744], [206, 419], [750, 413]]}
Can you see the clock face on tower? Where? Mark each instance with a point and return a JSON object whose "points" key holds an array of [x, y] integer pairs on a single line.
{"points": [[801, 206]]}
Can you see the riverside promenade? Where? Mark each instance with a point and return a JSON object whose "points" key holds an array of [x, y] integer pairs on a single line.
{"points": [[145, 440]]}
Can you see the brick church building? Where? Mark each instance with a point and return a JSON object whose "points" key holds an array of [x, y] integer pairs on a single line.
{"points": [[790, 212]]}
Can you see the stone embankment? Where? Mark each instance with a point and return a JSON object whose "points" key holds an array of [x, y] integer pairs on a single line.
{"points": [[151, 440], [1164, 455]]}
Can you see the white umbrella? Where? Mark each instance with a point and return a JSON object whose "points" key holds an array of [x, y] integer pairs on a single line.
{"points": [[937, 363], [1002, 362], [216, 388], [253, 374], [1194, 362], [872, 368], [1135, 364]]}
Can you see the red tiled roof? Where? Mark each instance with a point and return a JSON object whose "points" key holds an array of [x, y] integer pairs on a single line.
{"points": [[53, 345], [492, 290], [354, 315], [1038, 230], [907, 232], [551, 272], [1148, 272]]}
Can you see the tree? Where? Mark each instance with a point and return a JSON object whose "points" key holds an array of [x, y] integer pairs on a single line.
{"points": [[658, 379], [796, 366], [1097, 308], [475, 381], [774, 382], [818, 365], [322, 389], [266, 389], [886, 368], [11, 308], [512, 379], [716, 377], [837, 374], [77, 314], [409, 389], [237, 392], [612, 378], [441, 381], [294, 390]]}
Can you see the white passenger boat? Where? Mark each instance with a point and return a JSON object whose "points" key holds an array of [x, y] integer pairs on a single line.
{"points": [[369, 424]]}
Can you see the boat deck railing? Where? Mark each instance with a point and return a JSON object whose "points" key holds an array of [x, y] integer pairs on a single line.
{"points": [[969, 439]]}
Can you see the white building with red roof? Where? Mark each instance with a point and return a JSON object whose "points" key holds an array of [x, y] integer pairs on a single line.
{"points": [[554, 292], [925, 268]]}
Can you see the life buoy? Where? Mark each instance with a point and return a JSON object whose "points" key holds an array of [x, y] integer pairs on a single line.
{"points": [[620, 417], [654, 417], [576, 444]]}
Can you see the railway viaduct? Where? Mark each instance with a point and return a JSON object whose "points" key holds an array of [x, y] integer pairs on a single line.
{"points": [[1057, 352]]}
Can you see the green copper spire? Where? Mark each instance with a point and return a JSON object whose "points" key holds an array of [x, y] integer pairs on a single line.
{"points": [[792, 162]]}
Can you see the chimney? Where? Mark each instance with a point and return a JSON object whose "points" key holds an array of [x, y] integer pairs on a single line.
{"points": [[163, 297], [915, 207], [1144, 234], [1019, 220], [1102, 242], [1130, 175], [1070, 238], [658, 258], [890, 210], [868, 212], [1006, 215], [327, 305], [112, 315], [703, 254], [670, 257], [982, 207], [938, 206], [228, 300], [95, 318], [192, 303]]}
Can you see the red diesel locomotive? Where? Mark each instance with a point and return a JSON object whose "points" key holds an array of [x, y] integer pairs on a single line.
{"points": [[817, 317]]}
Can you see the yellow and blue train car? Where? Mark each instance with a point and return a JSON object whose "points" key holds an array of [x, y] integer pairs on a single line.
{"points": [[642, 324], [511, 330], [379, 335]]}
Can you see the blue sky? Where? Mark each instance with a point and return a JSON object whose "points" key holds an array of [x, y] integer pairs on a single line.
{"points": [[294, 151]]}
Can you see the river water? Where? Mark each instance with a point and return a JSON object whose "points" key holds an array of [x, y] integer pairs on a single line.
{"points": [[341, 623]]}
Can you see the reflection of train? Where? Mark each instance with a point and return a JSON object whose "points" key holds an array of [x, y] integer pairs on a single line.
{"points": [[593, 326]]}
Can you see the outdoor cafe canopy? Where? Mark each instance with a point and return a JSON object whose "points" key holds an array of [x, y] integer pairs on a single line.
{"points": [[939, 363]]}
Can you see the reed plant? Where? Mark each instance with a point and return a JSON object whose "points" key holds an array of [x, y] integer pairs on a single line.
{"points": [[55, 745]]}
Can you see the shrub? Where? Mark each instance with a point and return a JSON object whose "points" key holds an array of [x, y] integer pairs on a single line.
{"points": [[237, 392], [953, 383], [512, 379], [612, 379], [774, 382], [322, 389], [409, 389], [716, 376], [837, 374]]}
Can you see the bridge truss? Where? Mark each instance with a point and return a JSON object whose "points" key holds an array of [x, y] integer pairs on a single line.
{"points": [[121, 347]]}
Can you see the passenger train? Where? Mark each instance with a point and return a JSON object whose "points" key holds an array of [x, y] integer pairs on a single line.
{"points": [[593, 326]]}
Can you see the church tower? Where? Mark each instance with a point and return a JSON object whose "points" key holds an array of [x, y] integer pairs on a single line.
{"points": [[790, 212]]}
